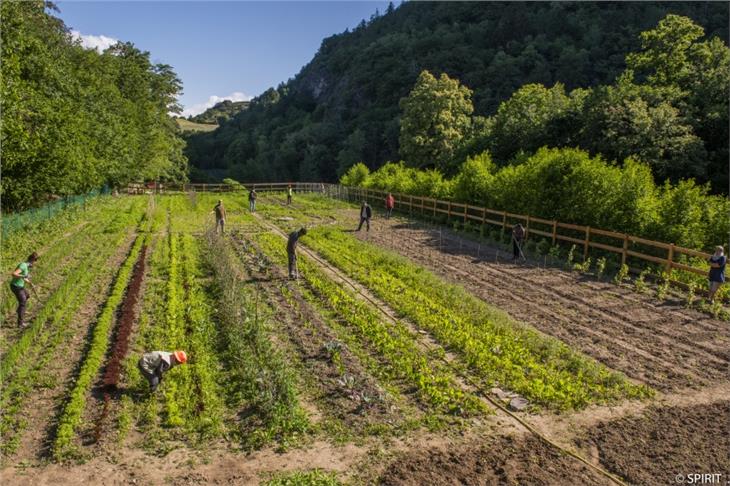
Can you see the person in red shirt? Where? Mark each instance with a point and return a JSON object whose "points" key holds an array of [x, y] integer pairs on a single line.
{"points": [[389, 205]]}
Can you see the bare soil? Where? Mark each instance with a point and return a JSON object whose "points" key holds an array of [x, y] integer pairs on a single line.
{"points": [[42, 407], [664, 443], [682, 353], [360, 405], [505, 460], [660, 344]]}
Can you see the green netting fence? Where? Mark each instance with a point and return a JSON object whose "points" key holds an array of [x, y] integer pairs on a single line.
{"points": [[12, 222]]}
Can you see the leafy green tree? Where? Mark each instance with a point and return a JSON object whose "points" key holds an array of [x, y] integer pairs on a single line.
{"points": [[523, 122], [672, 56], [356, 176], [352, 151], [473, 181], [639, 120], [436, 118], [75, 119]]}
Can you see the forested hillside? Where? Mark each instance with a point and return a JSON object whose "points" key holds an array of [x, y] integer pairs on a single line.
{"points": [[74, 119], [219, 112], [344, 106]]}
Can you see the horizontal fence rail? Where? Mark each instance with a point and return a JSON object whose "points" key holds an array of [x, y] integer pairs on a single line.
{"points": [[584, 237]]}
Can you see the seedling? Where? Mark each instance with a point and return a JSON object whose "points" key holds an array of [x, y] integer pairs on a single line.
{"points": [[640, 283], [663, 287], [691, 289], [623, 272], [600, 267], [571, 256]]}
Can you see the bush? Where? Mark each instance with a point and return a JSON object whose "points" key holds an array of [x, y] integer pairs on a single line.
{"points": [[571, 186], [543, 247], [356, 176]]}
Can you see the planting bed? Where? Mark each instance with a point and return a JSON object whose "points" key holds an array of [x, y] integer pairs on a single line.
{"points": [[401, 356], [662, 345]]}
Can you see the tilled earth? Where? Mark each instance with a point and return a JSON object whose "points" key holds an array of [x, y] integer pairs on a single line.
{"points": [[666, 445], [507, 460], [663, 345], [670, 348]]}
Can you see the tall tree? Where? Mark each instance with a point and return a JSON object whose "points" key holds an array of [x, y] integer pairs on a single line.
{"points": [[436, 118]]}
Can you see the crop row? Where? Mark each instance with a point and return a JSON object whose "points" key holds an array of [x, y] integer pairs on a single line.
{"points": [[502, 352], [257, 374], [394, 342], [177, 316], [59, 255], [24, 364], [74, 406], [20, 243], [61, 298]]}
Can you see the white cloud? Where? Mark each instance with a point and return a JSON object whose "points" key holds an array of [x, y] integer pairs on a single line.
{"points": [[98, 42], [212, 100]]}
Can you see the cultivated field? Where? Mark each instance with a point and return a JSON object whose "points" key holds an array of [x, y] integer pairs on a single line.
{"points": [[404, 355]]}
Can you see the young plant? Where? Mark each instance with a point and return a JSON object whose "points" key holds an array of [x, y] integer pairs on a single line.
{"points": [[623, 272], [663, 287], [554, 252], [571, 256], [543, 247], [600, 267], [716, 308], [640, 283], [691, 289], [584, 267]]}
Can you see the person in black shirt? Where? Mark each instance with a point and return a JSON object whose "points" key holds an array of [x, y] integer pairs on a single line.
{"points": [[365, 214], [291, 252]]}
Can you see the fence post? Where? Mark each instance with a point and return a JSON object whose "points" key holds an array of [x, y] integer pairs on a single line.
{"points": [[585, 244], [527, 229], [504, 221], [466, 208], [555, 231], [626, 247], [434, 209], [670, 258], [449, 210], [410, 205]]}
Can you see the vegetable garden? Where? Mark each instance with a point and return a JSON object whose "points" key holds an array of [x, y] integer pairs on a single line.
{"points": [[391, 348]]}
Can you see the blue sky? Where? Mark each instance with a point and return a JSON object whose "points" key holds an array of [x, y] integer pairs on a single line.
{"points": [[220, 50]]}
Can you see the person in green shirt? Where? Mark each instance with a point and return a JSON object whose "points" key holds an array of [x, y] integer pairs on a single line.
{"points": [[21, 276]]}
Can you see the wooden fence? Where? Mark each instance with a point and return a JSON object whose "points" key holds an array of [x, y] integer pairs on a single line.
{"points": [[585, 237]]}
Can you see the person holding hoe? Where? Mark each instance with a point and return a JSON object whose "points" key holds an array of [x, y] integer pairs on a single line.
{"points": [[389, 205], [252, 200], [220, 216], [153, 365], [366, 213], [291, 252], [717, 271], [21, 278], [518, 238]]}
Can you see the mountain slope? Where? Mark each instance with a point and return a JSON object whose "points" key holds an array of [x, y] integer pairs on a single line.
{"points": [[343, 106], [225, 110]]}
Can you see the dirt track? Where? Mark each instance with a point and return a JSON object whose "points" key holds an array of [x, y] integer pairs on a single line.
{"points": [[662, 345]]}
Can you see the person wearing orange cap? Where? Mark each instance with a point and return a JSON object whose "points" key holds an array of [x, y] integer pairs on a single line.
{"points": [[154, 364]]}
